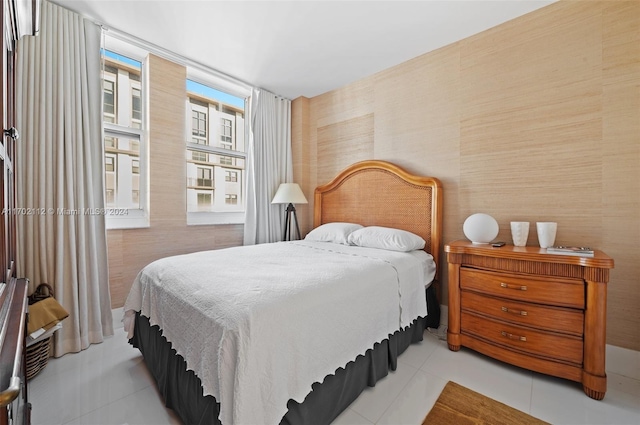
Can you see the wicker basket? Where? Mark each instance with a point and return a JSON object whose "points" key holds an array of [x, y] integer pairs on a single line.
{"points": [[37, 357], [38, 353]]}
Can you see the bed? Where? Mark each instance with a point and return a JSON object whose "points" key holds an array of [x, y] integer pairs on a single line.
{"points": [[292, 332]]}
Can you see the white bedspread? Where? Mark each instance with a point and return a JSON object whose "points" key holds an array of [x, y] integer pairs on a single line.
{"points": [[259, 324]]}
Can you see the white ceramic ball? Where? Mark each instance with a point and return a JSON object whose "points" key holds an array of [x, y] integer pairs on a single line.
{"points": [[480, 228]]}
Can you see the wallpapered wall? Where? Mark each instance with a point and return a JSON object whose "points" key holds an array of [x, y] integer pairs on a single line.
{"points": [[537, 119], [168, 234]]}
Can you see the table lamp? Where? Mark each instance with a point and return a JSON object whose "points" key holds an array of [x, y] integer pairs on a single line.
{"points": [[289, 193]]}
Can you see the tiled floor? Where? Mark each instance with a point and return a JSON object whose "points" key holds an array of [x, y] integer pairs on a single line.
{"points": [[109, 384]]}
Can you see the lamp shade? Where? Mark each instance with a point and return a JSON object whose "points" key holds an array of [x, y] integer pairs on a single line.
{"points": [[480, 228], [289, 193]]}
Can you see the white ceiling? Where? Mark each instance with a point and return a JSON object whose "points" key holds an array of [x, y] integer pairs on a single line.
{"points": [[300, 48]]}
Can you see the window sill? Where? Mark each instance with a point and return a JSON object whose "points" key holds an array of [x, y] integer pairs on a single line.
{"points": [[203, 218], [134, 219]]}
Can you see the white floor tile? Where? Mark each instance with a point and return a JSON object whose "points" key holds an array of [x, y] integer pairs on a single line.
{"points": [[374, 401], [623, 361], [414, 401], [559, 401], [417, 354], [108, 384], [505, 383], [117, 314], [623, 384], [350, 417], [91, 379], [143, 407]]}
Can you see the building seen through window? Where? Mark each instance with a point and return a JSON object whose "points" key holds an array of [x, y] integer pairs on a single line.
{"points": [[216, 150], [123, 124]]}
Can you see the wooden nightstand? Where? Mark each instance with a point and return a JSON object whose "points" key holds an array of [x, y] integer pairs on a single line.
{"points": [[539, 311]]}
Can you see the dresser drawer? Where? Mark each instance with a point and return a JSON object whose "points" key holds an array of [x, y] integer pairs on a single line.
{"points": [[543, 290], [545, 344], [565, 320]]}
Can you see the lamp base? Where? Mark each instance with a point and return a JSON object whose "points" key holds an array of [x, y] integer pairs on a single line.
{"points": [[286, 236]]}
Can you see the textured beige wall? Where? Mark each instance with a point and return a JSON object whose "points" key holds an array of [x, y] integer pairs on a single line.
{"points": [[131, 249], [537, 119]]}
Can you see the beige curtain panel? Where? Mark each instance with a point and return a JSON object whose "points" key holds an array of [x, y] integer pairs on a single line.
{"points": [[269, 163], [59, 174]]}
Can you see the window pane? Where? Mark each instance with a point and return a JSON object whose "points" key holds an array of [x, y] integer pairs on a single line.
{"points": [[122, 73], [225, 134], [199, 121], [227, 160], [109, 162], [136, 104], [204, 201], [122, 174], [109, 89], [198, 156]]}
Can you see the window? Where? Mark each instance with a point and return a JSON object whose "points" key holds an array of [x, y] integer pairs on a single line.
{"points": [[216, 155], [110, 179], [204, 199], [225, 134], [109, 93], [204, 177], [136, 108], [199, 112], [199, 156], [109, 162], [124, 140], [199, 128]]}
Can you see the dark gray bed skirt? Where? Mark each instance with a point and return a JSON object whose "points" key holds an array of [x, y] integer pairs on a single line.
{"points": [[182, 389]]}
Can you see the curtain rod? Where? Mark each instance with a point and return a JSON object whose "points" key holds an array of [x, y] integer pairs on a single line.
{"points": [[174, 57]]}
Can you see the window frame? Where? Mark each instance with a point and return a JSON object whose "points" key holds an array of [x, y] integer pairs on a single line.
{"points": [[119, 217], [212, 148]]}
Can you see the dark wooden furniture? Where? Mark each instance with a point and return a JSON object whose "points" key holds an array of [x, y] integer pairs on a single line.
{"points": [[14, 405], [539, 311]]}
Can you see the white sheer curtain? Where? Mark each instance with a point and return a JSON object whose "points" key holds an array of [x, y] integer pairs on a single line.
{"points": [[269, 164], [59, 173]]}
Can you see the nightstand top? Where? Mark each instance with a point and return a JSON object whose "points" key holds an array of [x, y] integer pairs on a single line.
{"points": [[528, 253]]}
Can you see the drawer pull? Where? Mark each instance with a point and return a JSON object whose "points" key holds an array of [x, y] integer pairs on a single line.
{"points": [[518, 312], [506, 285], [512, 336]]}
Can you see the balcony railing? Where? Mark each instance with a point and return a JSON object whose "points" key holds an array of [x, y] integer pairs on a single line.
{"points": [[195, 182]]}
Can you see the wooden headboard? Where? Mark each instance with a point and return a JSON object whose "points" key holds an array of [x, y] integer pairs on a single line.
{"points": [[379, 193]]}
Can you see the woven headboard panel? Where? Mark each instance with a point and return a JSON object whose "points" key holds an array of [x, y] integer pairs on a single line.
{"points": [[378, 193]]}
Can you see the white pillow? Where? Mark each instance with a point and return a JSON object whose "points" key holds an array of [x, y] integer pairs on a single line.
{"points": [[386, 238], [332, 232]]}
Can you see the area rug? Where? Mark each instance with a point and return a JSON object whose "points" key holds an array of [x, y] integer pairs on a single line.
{"points": [[462, 406]]}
